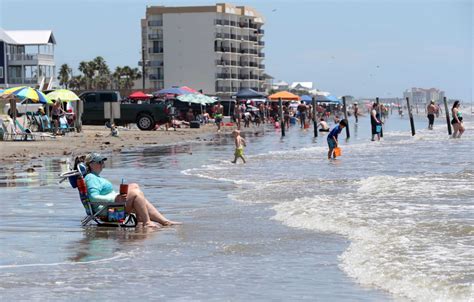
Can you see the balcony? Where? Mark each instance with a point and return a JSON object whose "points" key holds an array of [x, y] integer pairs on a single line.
{"points": [[226, 63], [155, 50], [155, 37], [221, 89], [261, 55], [260, 31], [155, 77], [248, 51], [155, 23], [22, 81], [261, 66], [30, 59], [261, 43]]}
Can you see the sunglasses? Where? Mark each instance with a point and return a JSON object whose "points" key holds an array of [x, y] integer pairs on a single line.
{"points": [[100, 162]]}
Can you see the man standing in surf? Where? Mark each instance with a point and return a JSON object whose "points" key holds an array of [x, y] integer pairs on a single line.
{"points": [[218, 115]]}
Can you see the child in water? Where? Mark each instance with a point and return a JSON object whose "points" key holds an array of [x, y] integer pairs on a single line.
{"points": [[332, 137], [239, 146]]}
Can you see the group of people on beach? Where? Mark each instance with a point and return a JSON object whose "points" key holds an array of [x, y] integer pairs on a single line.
{"points": [[100, 189]]}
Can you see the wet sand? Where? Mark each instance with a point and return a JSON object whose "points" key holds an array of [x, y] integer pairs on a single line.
{"points": [[98, 139]]}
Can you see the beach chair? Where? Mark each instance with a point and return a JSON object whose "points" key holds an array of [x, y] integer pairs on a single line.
{"points": [[10, 131], [46, 123], [25, 133], [7, 133], [108, 214]]}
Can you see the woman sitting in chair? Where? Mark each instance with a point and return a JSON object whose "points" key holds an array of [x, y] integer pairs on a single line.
{"points": [[101, 190]]}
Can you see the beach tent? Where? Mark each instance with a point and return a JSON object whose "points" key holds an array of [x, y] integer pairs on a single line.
{"points": [[333, 99], [327, 99], [306, 98], [285, 96], [139, 95], [247, 93]]}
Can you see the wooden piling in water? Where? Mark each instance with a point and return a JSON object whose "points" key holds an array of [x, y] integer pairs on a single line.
{"points": [[410, 114], [282, 121], [315, 118], [348, 135], [448, 119]]}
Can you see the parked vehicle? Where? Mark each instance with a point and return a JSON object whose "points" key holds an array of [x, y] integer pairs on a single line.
{"points": [[22, 107], [145, 115]]}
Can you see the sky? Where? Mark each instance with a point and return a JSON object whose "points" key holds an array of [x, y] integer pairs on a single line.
{"points": [[364, 48]]}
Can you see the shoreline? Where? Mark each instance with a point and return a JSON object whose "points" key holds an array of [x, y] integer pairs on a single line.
{"points": [[26, 154]]}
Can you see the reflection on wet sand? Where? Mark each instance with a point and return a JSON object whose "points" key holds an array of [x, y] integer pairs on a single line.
{"points": [[103, 242], [36, 175]]}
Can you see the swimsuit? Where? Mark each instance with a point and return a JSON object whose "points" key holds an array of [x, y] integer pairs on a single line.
{"points": [[239, 152]]}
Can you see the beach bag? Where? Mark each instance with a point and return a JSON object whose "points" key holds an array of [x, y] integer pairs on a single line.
{"points": [[337, 152], [116, 214], [378, 128], [306, 125]]}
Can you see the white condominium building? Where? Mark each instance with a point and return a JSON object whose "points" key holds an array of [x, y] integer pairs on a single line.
{"points": [[218, 49]]}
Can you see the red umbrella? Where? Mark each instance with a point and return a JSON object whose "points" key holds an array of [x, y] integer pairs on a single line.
{"points": [[189, 89], [139, 95]]}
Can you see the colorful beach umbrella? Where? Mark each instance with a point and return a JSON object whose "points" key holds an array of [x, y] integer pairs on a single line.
{"points": [[173, 90], [189, 89], [25, 92], [196, 98], [64, 95]]}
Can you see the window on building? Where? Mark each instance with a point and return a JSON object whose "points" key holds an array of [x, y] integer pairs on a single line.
{"points": [[1, 72]]}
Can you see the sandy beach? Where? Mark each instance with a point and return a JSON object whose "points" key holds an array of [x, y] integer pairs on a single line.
{"points": [[98, 139]]}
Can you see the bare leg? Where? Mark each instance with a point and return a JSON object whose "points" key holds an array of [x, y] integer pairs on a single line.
{"points": [[242, 159], [456, 129], [137, 203], [156, 216], [330, 153], [461, 130]]}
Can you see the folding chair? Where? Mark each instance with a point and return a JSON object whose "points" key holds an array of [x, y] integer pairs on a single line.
{"points": [[46, 123], [7, 131], [27, 133], [10, 131], [107, 214]]}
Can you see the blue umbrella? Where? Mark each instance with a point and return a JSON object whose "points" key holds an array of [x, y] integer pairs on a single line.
{"points": [[172, 90]]}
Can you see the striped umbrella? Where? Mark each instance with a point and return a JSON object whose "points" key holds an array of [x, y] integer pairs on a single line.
{"points": [[25, 92], [63, 94]]}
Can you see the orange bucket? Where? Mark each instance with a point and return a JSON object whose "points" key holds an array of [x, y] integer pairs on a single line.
{"points": [[337, 151]]}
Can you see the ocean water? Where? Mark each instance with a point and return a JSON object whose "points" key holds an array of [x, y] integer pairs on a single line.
{"points": [[406, 204], [389, 220]]}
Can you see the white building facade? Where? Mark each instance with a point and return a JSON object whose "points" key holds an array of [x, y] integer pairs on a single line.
{"points": [[218, 49], [27, 58], [424, 96]]}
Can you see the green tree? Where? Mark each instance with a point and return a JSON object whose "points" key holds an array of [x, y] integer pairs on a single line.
{"points": [[124, 77], [88, 70], [64, 75], [77, 82]]}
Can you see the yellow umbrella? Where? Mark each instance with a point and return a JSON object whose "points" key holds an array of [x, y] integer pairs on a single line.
{"points": [[64, 95]]}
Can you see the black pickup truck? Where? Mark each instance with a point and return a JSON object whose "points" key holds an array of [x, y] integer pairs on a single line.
{"points": [[145, 115]]}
